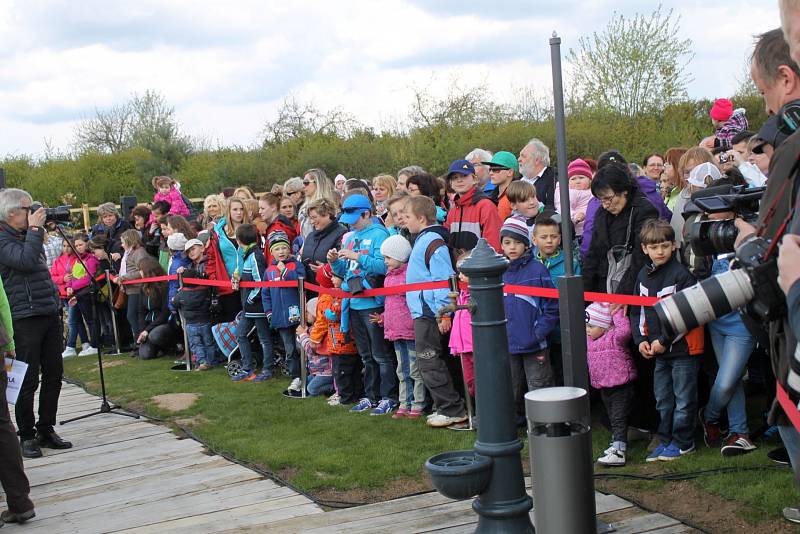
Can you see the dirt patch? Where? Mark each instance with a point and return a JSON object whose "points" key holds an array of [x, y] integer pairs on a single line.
{"points": [[192, 422], [113, 363], [393, 490], [685, 502], [175, 402]]}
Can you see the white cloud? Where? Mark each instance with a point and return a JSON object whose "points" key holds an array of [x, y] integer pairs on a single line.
{"points": [[226, 67]]}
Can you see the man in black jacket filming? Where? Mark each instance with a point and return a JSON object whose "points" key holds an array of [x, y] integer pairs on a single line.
{"points": [[36, 319]]}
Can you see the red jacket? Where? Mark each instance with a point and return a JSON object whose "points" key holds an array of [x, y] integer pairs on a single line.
{"points": [[281, 224], [61, 266], [471, 217]]}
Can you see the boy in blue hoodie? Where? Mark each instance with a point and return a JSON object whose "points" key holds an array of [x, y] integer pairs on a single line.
{"points": [[430, 262], [360, 264], [531, 320]]}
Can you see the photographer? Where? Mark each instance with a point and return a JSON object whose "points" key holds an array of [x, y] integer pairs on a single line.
{"points": [[35, 317]]}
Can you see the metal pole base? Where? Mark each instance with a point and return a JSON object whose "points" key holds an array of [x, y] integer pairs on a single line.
{"points": [[105, 407], [505, 517]]}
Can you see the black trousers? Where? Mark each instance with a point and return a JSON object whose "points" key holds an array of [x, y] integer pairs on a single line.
{"points": [[347, 375], [12, 473], [618, 401], [433, 368], [38, 342]]}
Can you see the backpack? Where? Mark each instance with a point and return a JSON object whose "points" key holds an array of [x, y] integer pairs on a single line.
{"points": [[433, 246]]}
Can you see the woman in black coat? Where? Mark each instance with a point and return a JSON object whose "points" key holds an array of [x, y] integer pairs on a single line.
{"points": [[327, 234], [623, 211], [157, 334]]}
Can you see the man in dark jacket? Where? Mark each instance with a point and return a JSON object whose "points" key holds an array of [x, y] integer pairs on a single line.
{"points": [[35, 315], [534, 164]]}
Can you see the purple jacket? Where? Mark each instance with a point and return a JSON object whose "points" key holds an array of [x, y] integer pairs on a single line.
{"points": [[318, 364], [650, 191], [397, 321], [461, 333], [610, 363]]}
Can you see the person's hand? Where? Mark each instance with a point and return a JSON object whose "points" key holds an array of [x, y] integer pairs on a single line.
{"points": [[348, 255], [70, 291], [37, 217], [645, 350], [281, 266], [142, 337], [580, 216], [614, 308], [68, 277], [657, 348], [115, 256], [375, 318], [316, 266], [332, 255], [302, 329], [745, 230], [708, 143], [788, 262], [180, 270], [10, 354], [444, 325], [72, 302]]}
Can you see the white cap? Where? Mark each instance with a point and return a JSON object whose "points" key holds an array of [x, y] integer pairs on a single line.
{"points": [[176, 241], [191, 243], [704, 174], [339, 178]]}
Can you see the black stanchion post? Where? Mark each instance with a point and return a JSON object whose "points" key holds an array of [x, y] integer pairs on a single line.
{"points": [[301, 287], [110, 301]]}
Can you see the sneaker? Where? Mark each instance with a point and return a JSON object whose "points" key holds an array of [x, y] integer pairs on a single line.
{"points": [[243, 376], [88, 351], [385, 406], [737, 444], [612, 457], [712, 433], [431, 415], [362, 406], [14, 517], [673, 452], [401, 412], [203, 367], [69, 351], [791, 514], [655, 453], [334, 400], [780, 456], [295, 385], [263, 376], [413, 413], [442, 421]]}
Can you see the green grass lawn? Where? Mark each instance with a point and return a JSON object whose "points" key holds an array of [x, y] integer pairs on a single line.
{"points": [[326, 450]]}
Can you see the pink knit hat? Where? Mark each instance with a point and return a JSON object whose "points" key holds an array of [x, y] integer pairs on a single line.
{"points": [[578, 167], [721, 110], [599, 314]]}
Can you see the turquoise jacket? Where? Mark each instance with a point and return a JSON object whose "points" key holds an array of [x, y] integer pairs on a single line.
{"points": [[366, 270], [556, 264], [231, 254]]}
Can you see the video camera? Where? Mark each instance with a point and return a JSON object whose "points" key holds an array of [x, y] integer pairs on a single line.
{"points": [[57, 215], [717, 237]]}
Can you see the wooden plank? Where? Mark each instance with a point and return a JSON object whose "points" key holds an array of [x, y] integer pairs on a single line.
{"points": [[469, 528], [644, 523], [675, 529], [605, 503]]}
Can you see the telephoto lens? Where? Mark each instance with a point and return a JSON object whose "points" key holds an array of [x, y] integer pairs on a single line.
{"points": [[702, 303]]}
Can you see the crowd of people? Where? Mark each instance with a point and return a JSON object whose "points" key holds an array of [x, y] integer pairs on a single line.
{"points": [[399, 355]]}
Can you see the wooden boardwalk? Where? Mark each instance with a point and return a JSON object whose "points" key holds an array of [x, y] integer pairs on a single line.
{"points": [[130, 475]]}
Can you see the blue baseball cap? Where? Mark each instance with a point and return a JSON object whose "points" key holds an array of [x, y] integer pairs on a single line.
{"points": [[461, 166], [353, 207]]}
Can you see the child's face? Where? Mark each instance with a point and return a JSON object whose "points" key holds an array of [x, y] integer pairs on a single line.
{"points": [[157, 214], [163, 189], [80, 246], [547, 238], [594, 332], [512, 249], [414, 223], [580, 182], [398, 213], [310, 317], [528, 207], [287, 208], [462, 183], [195, 253], [166, 231], [281, 252], [391, 263], [100, 254], [659, 253]]}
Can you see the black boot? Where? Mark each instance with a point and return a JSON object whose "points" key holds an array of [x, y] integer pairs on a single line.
{"points": [[30, 449], [52, 441]]}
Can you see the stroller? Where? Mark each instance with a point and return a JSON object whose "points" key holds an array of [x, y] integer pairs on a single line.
{"points": [[225, 338]]}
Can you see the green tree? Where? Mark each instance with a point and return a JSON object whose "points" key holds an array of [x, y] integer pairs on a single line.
{"points": [[634, 65]]}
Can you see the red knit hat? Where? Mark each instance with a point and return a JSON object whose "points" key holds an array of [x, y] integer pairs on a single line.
{"points": [[579, 167], [324, 276], [721, 110]]}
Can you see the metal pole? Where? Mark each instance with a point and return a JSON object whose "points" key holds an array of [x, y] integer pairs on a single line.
{"points": [[187, 352], [301, 287], [570, 286], [113, 315]]}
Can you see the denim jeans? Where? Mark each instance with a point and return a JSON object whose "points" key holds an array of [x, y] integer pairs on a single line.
{"points": [[732, 354], [380, 378], [262, 327], [791, 440], [201, 342], [675, 386], [412, 390], [292, 352], [75, 326], [319, 385]]}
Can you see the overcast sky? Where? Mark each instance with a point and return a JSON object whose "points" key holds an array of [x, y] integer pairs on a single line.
{"points": [[227, 66]]}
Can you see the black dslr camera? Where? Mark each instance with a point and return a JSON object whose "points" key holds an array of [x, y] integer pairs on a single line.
{"points": [[717, 237], [57, 215]]}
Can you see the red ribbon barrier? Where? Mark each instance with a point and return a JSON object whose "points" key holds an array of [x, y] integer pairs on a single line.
{"points": [[789, 408]]}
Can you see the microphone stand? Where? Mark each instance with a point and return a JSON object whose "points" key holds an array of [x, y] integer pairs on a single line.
{"points": [[105, 406]]}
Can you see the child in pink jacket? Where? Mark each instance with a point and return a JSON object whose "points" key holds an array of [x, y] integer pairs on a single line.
{"points": [[77, 287], [398, 326], [166, 190], [580, 183], [612, 372], [461, 337]]}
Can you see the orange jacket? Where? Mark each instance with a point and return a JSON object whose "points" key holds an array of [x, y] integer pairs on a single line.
{"points": [[327, 332]]}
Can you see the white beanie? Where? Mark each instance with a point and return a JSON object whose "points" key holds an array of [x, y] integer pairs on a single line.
{"points": [[311, 306], [396, 247], [176, 241]]}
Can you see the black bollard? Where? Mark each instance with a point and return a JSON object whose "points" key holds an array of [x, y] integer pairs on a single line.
{"points": [[493, 470]]}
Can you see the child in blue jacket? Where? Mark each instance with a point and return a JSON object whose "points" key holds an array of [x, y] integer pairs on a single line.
{"points": [[282, 304], [531, 320]]}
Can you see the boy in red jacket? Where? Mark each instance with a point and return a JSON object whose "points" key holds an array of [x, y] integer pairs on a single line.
{"points": [[472, 214]]}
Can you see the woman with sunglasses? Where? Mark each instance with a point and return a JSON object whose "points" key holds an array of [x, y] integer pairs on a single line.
{"points": [[316, 185]]}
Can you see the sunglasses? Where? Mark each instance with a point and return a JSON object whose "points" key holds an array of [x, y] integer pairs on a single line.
{"points": [[306, 182], [294, 192], [353, 210]]}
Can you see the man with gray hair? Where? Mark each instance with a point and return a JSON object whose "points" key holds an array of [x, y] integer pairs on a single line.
{"points": [[534, 165], [477, 156], [35, 316]]}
